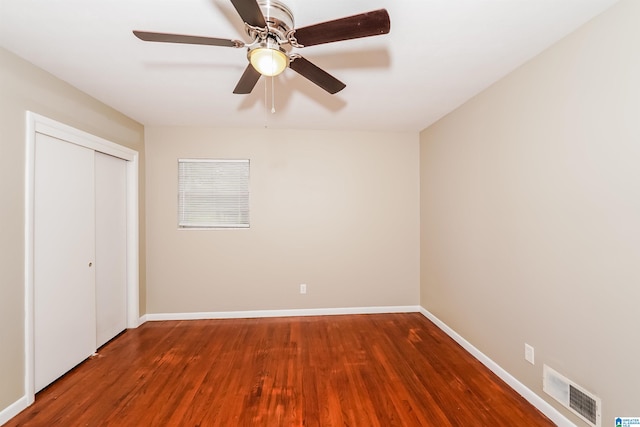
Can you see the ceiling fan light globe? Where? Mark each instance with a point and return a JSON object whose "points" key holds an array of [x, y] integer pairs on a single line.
{"points": [[268, 61]]}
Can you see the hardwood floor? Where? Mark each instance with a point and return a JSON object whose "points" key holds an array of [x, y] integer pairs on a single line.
{"points": [[357, 370]]}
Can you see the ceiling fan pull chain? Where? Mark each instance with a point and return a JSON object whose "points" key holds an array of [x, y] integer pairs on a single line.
{"points": [[273, 97], [266, 116]]}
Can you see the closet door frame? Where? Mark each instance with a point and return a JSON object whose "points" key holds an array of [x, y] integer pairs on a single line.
{"points": [[43, 125]]}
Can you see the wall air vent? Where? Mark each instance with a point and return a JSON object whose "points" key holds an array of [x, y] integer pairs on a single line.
{"points": [[578, 400]]}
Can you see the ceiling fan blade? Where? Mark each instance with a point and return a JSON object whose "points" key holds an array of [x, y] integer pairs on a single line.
{"points": [[250, 12], [352, 27], [316, 74], [248, 81], [180, 38]]}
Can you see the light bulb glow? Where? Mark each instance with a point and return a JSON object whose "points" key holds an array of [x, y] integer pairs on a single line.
{"points": [[268, 61]]}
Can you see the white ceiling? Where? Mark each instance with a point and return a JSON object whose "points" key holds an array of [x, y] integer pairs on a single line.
{"points": [[438, 54]]}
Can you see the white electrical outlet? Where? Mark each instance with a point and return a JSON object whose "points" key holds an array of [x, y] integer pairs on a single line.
{"points": [[303, 288], [529, 354]]}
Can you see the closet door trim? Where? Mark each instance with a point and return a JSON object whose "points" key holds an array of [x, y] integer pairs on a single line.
{"points": [[40, 124]]}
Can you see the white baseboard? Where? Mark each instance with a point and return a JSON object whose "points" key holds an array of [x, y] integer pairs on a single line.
{"points": [[279, 313], [543, 406], [14, 409]]}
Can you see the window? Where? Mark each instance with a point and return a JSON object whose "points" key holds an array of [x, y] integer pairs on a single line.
{"points": [[213, 193]]}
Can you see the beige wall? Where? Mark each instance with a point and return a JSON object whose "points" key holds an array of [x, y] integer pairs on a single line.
{"points": [[337, 211], [530, 223], [24, 87]]}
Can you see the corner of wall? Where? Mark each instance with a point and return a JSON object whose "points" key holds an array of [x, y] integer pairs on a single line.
{"points": [[537, 401]]}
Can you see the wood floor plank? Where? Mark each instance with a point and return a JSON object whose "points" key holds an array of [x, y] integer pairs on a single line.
{"points": [[358, 370]]}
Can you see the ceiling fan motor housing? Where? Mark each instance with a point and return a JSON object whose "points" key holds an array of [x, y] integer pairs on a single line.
{"points": [[278, 16]]}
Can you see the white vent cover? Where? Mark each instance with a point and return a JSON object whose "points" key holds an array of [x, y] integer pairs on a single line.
{"points": [[578, 400]]}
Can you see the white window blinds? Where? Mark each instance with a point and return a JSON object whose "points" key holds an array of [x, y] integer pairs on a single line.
{"points": [[213, 193]]}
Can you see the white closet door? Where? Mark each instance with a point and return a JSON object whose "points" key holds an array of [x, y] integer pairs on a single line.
{"points": [[111, 246], [64, 250]]}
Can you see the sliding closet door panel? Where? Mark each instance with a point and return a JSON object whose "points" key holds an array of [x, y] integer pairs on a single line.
{"points": [[64, 251], [111, 246]]}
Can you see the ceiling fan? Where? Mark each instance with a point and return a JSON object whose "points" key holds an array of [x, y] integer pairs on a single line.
{"points": [[269, 23]]}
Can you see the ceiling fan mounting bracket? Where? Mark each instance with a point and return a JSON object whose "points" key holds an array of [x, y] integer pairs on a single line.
{"points": [[291, 38], [256, 33]]}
